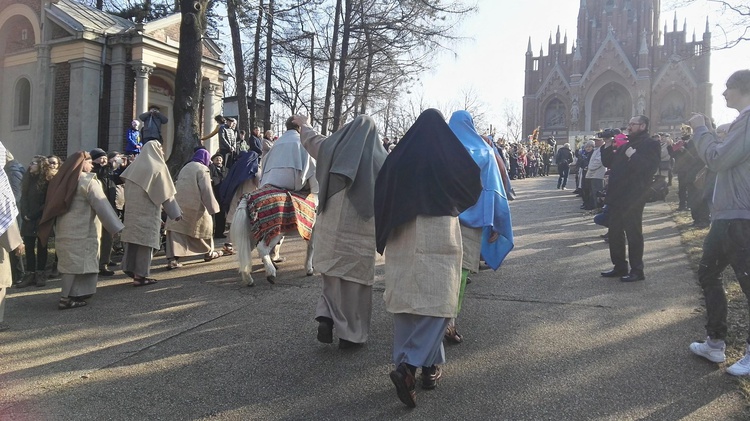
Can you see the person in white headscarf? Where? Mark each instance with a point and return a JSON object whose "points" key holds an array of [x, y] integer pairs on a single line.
{"points": [[288, 166], [10, 236], [148, 188]]}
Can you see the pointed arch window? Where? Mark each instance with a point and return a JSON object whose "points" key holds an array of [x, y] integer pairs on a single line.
{"points": [[22, 97]]}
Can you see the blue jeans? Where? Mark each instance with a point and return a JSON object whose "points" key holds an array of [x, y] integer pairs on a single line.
{"points": [[563, 170]]}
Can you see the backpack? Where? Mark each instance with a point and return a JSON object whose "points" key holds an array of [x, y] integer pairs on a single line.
{"points": [[658, 190]]}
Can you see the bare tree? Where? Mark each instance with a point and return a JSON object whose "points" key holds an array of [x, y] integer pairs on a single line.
{"points": [[188, 82], [233, 12], [734, 22], [512, 121], [256, 67], [331, 68]]}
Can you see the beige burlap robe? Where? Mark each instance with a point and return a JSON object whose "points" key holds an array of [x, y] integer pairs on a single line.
{"points": [[471, 239], [423, 267], [197, 202], [344, 242], [78, 231]]}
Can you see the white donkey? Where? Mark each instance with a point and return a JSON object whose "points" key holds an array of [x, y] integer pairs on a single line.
{"points": [[262, 219]]}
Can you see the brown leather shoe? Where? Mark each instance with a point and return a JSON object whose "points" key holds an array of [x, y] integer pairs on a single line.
{"points": [[405, 385], [430, 376]]}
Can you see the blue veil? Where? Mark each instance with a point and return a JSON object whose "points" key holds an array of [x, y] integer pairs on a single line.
{"points": [[491, 212]]}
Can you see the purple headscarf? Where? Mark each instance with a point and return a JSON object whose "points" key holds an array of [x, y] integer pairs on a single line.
{"points": [[202, 156]]}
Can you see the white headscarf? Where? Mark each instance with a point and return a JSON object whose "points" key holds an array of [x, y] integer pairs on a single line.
{"points": [[8, 209]]}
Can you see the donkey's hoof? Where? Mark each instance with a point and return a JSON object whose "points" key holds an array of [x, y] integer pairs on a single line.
{"points": [[251, 284], [309, 272], [271, 279]]}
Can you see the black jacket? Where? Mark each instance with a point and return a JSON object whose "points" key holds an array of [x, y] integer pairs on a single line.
{"points": [[110, 179], [630, 178], [32, 203], [564, 157]]}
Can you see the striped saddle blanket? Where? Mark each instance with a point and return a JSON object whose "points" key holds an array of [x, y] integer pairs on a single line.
{"points": [[273, 211]]}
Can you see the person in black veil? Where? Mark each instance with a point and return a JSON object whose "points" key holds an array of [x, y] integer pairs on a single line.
{"points": [[426, 181]]}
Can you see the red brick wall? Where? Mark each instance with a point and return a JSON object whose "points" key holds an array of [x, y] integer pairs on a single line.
{"points": [[34, 4], [61, 106], [13, 29]]}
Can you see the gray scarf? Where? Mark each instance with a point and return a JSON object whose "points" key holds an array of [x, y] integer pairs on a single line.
{"points": [[351, 158]]}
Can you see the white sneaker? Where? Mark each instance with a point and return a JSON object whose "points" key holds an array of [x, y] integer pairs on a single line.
{"points": [[741, 367], [715, 355]]}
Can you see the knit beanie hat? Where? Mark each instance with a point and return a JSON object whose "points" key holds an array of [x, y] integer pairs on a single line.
{"points": [[97, 153]]}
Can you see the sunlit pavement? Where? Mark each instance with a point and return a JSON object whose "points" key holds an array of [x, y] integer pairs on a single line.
{"points": [[545, 337]]}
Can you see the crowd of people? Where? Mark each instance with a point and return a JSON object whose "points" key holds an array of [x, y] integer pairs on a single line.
{"points": [[433, 216], [438, 214]]}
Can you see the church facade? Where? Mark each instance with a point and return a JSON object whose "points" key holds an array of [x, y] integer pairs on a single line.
{"points": [[621, 65], [73, 77]]}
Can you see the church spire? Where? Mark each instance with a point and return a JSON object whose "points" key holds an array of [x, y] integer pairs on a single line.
{"points": [[644, 43], [528, 49], [674, 23]]}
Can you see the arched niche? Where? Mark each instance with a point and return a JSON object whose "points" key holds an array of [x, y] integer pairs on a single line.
{"points": [[555, 114], [673, 107], [611, 106]]}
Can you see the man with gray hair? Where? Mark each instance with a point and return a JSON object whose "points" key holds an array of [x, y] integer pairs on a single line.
{"points": [[728, 240]]}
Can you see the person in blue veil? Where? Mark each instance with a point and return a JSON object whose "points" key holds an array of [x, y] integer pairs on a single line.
{"points": [[486, 228]]}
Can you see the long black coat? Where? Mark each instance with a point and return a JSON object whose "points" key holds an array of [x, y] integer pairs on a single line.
{"points": [[32, 203], [630, 178]]}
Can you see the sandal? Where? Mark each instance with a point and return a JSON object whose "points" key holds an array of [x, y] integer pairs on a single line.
{"points": [[66, 303], [174, 264], [228, 250], [213, 255], [452, 336], [143, 282]]}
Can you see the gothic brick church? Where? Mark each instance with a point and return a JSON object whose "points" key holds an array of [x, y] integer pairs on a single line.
{"points": [[621, 65]]}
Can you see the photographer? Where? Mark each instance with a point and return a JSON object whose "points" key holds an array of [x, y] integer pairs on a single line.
{"points": [[632, 166], [152, 121]]}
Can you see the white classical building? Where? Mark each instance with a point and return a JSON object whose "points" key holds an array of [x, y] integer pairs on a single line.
{"points": [[73, 77]]}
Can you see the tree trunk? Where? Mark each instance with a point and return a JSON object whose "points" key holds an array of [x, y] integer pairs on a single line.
{"points": [[269, 45], [331, 68], [188, 84], [100, 4], [312, 77], [368, 69], [239, 66], [339, 95], [256, 66]]}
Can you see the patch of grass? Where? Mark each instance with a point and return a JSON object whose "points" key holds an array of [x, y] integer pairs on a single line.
{"points": [[737, 311]]}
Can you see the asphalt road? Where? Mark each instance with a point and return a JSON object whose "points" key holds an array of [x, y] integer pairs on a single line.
{"points": [[546, 338]]}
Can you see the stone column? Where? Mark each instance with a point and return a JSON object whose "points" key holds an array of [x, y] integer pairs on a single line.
{"points": [[41, 112], [142, 73], [83, 115], [210, 109], [117, 116]]}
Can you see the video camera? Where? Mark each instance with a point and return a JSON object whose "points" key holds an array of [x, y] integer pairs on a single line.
{"points": [[608, 133], [551, 141]]}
